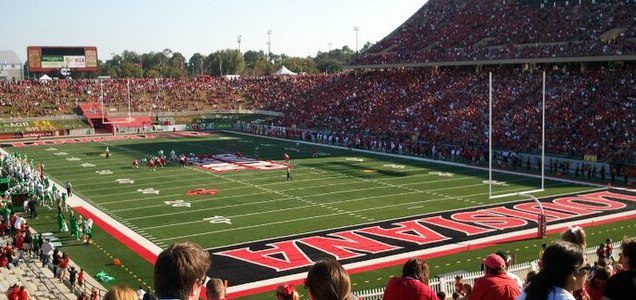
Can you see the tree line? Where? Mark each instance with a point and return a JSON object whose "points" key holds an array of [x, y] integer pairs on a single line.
{"points": [[169, 64]]}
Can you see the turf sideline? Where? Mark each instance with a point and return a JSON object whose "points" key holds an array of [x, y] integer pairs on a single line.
{"points": [[127, 236]]}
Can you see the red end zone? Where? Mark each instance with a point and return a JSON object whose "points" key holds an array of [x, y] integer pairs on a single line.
{"points": [[114, 232]]}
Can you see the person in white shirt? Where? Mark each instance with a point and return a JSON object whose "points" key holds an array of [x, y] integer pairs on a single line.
{"points": [[19, 221], [564, 271]]}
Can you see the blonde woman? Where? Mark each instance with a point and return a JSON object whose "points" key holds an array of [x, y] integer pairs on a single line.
{"points": [[120, 292]]}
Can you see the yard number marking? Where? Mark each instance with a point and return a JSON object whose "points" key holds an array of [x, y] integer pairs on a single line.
{"points": [[178, 203], [124, 181], [354, 159], [218, 220], [148, 191], [443, 174]]}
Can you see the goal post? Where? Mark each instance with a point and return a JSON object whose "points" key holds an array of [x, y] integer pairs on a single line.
{"points": [[101, 102], [541, 220]]}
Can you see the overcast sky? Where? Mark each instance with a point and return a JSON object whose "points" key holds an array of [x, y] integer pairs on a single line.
{"points": [[299, 28]]}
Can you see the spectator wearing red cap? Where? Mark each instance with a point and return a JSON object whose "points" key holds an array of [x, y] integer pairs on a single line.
{"points": [[412, 284], [495, 284]]}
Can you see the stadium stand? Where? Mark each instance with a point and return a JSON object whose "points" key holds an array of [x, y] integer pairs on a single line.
{"points": [[39, 281], [588, 112], [448, 30]]}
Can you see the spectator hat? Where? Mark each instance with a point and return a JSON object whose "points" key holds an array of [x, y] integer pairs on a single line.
{"points": [[494, 261]]}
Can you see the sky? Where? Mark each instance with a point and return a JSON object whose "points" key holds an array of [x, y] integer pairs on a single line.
{"points": [[299, 28]]}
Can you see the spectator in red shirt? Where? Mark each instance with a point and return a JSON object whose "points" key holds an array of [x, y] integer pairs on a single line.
{"points": [[459, 284], [495, 284], [64, 261], [23, 294], [13, 291], [595, 285], [286, 292], [609, 248], [622, 285], [412, 284]]}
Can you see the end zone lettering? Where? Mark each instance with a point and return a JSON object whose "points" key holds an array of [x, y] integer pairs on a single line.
{"points": [[369, 245]]}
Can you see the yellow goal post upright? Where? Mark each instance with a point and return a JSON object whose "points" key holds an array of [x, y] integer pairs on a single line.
{"points": [[541, 220], [101, 103]]}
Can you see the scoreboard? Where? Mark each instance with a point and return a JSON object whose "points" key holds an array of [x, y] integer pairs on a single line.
{"points": [[51, 59]]}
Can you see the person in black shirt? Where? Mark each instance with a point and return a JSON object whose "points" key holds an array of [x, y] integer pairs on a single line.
{"points": [[623, 284]]}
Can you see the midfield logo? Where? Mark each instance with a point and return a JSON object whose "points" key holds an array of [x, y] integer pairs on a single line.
{"points": [[201, 192], [222, 163], [370, 246]]}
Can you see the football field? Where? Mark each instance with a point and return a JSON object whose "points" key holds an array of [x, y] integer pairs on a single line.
{"points": [[230, 200]]}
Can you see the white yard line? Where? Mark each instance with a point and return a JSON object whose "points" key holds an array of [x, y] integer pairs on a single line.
{"points": [[322, 204], [322, 216], [414, 158]]}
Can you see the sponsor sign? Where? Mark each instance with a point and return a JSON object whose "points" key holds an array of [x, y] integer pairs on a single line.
{"points": [[363, 247], [46, 59], [40, 127]]}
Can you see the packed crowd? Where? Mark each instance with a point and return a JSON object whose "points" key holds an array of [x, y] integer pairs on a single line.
{"points": [[591, 112], [32, 98], [447, 30], [420, 111]]}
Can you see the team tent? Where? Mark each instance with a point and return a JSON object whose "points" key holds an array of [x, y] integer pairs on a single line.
{"points": [[284, 71]]}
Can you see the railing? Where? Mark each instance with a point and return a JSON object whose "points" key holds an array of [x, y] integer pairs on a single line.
{"points": [[47, 118], [197, 112], [447, 284]]}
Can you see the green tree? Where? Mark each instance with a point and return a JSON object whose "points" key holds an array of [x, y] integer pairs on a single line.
{"points": [[177, 66], [334, 60], [224, 62], [300, 64], [251, 57], [195, 64], [131, 70]]}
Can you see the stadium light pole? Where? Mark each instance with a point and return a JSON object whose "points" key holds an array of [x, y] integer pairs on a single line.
{"points": [[356, 29], [238, 39], [269, 45]]}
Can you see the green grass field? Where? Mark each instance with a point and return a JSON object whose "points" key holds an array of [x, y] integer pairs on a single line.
{"points": [[338, 189]]}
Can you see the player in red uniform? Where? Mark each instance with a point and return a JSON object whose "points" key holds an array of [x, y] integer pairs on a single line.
{"points": [[151, 164], [135, 164], [314, 152]]}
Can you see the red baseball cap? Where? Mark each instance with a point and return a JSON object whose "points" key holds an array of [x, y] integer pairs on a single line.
{"points": [[494, 261]]}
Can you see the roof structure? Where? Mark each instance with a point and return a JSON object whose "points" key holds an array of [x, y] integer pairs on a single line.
{"points": [[8, 57]]}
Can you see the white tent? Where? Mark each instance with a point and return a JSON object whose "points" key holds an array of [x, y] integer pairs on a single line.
{"points": [[45, 78], [284, 71]]}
